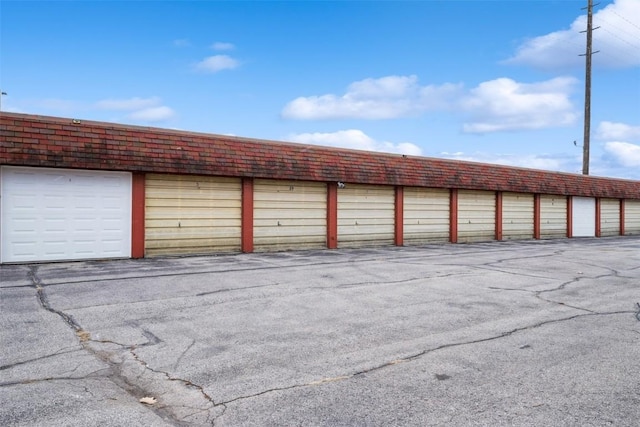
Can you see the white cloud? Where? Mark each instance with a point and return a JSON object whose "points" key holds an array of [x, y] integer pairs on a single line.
{"points": [[505, 105], [128, 104], [618, 131], [556, 162], [153, 114], [142, 109], [223, 46], [216, 63], [181, 43], [357, 140], [624, 153], [58, 105], [497, 105], [383, 98], [617, 39]]}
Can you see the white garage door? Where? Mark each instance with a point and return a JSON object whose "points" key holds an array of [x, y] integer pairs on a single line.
{"points": [[62, 214], [584, 217]]}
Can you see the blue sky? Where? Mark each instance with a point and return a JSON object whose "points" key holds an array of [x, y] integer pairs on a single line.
{"points": [[490, 81]]}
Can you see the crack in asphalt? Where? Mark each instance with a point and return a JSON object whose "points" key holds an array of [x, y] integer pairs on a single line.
{"points": [[37, 359], [418, 356], [132, 384], [116, 371]]}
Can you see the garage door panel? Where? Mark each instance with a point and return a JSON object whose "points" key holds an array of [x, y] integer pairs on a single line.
{"points": [[366, 215], [289, 214], [584, 216], [553, 216], [632, 217], [517, 216], [191, 214], [609, 217], [63, 214], [476, 216]]}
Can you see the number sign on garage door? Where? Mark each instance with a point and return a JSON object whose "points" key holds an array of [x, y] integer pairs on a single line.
{"points": [[62, 214]]}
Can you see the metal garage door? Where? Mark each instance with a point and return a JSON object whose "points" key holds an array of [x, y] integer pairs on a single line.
{"points": [[609, 217], [517, 216], [584, 216], [365, 215], [191, 214], [476, 216], [553, 217], [289, 215], [426, 215], [632, 217], [63, 214]]}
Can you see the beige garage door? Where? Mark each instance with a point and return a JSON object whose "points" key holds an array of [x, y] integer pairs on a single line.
{"points": [[632, 217], [553, 217], [289, 215], [517, 216], [609, 217], [426, 215], [365, 215], [191, 214], [476, 216]]}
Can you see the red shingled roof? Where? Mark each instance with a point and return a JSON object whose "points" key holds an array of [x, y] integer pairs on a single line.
{"points": [[30, 140]]}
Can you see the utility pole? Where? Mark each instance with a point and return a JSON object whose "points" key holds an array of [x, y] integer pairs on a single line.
{"points": [[587, 89], [2, 93]]}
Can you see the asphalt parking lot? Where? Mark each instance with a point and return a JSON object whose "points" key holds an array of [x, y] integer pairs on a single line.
{"points": [[506, 333]]}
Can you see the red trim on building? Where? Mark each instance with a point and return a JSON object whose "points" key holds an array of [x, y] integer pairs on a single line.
{"points": [[498, 215], [453, 215], [137, 214], [332, 215], [537, 209], [399, 216], [569, 216], [247, 215], [598, 217], [623, 206]]}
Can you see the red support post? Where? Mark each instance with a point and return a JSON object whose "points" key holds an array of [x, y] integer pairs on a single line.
{"points": [[569, 216], [137, 214], [622, 216], [498, 219], [453, 215], [399, 216], [247, 215], [598, 217], [332, 215], [536, 216]]}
